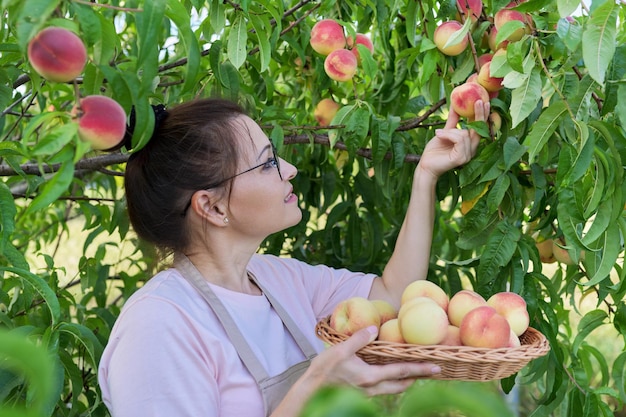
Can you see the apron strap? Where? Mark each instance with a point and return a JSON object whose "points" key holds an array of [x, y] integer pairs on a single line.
{"points": [[245, 352], [301, 340]]}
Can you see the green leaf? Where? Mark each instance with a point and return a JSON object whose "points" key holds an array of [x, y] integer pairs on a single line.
{"points": [[7, 214], [458, 36], [32, 18], [543, 128], [525, 98], [610, 253], [590, 321], [260, 23], [53, 188], [87, 338], [149, 26], [41, 287], [237, 39], [55, 139], [468, 399], [217, 15], [618, 374], [512, 151], [599, 38], [567, 7], [499, 250], [24, 358], [179, 15]]}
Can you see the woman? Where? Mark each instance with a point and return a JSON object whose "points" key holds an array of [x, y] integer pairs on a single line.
{"points": [[226, 331]]}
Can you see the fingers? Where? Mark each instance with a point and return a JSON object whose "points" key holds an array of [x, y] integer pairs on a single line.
{"points": [[481, 110], [359, 339], [397, 377], [453, 120]]}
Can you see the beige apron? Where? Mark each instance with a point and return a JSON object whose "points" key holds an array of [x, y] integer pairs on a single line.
{"points": [[273, 388]]}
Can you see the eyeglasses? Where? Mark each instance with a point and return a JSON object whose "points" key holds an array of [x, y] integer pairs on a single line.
{"points": [[273, 162]]}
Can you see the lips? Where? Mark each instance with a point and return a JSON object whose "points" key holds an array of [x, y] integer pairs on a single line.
{"points": [[291, 196]]}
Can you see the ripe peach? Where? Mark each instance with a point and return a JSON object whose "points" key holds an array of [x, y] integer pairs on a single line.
{"points": [[462, 303], [340, 65], [512, 307], [484, 58], [57, 54], [327, 36], [484, 327], [354, 314], [544, 247], [325, 110], [470, 8], [423, 288], [491, 40], [424, 323], [496, 121], [101, 121], [360, 39], [390, 332], [464, 96], [560, 252], [414, 301], [514, 340], [385, 310], [453, 336], [444, 32], [504, 16], [491, 84]]}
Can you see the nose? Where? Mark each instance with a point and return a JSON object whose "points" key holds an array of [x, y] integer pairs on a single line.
{"points": [[287, 171]]}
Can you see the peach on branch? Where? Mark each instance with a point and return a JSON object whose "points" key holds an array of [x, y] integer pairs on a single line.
{"points": [[424, 323], [544, 247], [327, 36], [423, 288], [470, 8], [57, 54], [484, 327], [385, 310], [512, 307], [444, 32], [491, 40], [354, 314], [101, 121], [505, 16], [360, 39], [325, 110], [340, 65], [462, 303], [496, 121], [484, 58], [560, 252], [463, 97], [492, 84], [390, 332]]}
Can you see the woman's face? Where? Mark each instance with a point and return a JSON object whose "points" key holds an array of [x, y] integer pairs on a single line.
{"points": [[261, 203]]}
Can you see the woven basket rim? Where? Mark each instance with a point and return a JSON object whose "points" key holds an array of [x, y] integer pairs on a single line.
{"points": [[485, 363]]}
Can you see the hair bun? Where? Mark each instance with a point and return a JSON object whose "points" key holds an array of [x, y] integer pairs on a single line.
{"points": [[160, 113]]}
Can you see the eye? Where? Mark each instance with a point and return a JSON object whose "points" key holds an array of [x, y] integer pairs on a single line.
{"points": [[271, 163]]}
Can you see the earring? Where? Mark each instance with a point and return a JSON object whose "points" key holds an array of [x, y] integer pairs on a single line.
{"points": [[226, 220]]}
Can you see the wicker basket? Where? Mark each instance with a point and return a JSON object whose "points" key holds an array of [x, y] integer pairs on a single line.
{"points": [[457, 362]]}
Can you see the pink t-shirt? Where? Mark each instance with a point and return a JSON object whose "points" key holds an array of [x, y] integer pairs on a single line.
{"points": [[168, 355]]}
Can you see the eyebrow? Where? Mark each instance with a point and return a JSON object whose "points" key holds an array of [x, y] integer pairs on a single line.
{"points": [[263, 151]]}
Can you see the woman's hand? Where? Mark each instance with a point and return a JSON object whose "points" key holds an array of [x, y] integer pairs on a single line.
{"points": [[452, 147], [339, 365]]}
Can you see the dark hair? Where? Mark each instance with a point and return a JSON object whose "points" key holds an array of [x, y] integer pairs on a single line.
{"points": [[194, 145]]}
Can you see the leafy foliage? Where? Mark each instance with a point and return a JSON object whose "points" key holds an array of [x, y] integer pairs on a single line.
{"points": [[554, 169]]}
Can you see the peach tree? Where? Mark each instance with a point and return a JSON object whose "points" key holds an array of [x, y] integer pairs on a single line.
{"points": [[539, 211]]}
